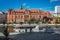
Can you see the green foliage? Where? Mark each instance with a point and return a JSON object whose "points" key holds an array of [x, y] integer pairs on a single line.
{"points": [[56, 21], [9, 23], [37, 21], [29, 22], [48, 22], [21, 22], [32, 20], [1, 22], [6, 33], [14, 22]]}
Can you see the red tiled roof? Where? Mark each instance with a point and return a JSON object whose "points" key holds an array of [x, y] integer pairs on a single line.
{"points": [[19, 10]]}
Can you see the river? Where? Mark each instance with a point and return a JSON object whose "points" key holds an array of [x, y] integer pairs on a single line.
{"points": [[36, 36]]}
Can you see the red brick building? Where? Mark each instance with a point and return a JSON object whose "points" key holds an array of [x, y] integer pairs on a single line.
{"points": [[22, 15]]}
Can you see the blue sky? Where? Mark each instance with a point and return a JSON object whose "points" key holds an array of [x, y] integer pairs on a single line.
{"points": [[45, 5]]}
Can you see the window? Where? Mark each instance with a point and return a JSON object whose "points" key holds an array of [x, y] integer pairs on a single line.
{"points": [[21, 16], [18, 16], [26, 17], [17, 13]]}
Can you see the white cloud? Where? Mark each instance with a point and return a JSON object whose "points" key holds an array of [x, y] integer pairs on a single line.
{"points": [[24, 4], [53, 1]]}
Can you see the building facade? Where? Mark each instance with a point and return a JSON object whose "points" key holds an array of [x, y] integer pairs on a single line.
{"points": [[22, 15], [57, 14], [57, 11], [2, 17]]}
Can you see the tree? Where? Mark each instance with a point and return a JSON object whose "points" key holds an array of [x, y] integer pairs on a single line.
{"points": [[45, 19], [56, 21], [37, 21], [32, 20], [6, 33], [21, 22], [48, 22], [5, 28]]}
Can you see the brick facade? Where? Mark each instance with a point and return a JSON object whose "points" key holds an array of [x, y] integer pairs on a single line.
{"points": [[25, 15]]}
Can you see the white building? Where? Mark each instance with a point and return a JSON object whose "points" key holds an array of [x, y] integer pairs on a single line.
{"points": [[57, 11], [2, 16]]}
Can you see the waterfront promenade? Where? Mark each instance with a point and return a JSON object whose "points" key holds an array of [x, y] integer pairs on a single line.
{"points": [[33, 35], [19, 25]]}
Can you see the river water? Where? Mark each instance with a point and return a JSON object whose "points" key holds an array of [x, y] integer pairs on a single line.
{"points": [[36, 36]]}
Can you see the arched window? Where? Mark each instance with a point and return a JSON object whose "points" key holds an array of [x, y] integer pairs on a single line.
{"points": [[21, 17]]}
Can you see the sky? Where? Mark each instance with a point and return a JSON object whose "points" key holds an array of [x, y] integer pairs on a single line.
{"points": [[45, 5]]}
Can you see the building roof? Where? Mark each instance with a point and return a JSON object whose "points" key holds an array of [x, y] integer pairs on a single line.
{"points": [[33, 11], [19, 10]]}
